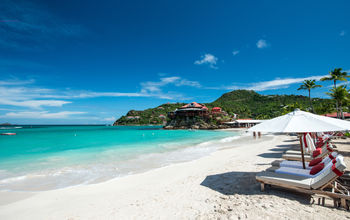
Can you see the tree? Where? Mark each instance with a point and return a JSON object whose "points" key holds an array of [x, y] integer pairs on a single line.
{"points": [[308, 85], [336, 75], [341, 96]]}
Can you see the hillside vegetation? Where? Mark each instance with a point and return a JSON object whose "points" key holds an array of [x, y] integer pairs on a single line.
{"points": [[245, 103], [249, 104]]}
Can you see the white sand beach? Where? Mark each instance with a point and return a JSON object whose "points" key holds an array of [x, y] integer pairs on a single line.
{"points": [[219, 186]]}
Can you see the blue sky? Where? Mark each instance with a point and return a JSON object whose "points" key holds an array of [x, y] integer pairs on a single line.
{"points": [[88, 62]]}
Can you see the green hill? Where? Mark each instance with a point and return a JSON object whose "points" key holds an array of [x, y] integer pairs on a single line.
{"points": [[148, 116], [249, 104], [245, 103]]}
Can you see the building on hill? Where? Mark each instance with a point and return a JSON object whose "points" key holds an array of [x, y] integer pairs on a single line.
{"points": [[216, 110], [334, 115], [190, 110]]}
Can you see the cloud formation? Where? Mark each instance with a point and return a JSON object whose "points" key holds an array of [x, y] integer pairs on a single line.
{"points": [[208, 59], [261, 44], [41, 114], [22, 93], [272, 84], [235, 52], [33, 103], [12, 82], [110, 119], [342, 33]]}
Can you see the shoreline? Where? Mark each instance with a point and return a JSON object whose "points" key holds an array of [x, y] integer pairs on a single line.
{"points": [[201, 146], [220, 185], [149, 161]]}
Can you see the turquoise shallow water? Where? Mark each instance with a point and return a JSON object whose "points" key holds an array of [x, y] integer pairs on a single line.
{"points": [[49, 157]]}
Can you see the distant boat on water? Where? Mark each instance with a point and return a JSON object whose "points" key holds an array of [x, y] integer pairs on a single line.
{"points": [[6, 128], [8, 133]]}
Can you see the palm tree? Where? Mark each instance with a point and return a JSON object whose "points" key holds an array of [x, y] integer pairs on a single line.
{"points": [[308, 85], [341, 95], [336, 75]]}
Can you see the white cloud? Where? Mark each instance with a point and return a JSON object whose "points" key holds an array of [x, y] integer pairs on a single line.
{"points": [[41, 114], [342, 33], [33, 103], [15, 82], [112, 119], [101, 94], [185, 82], [208, 59], [272, 84], [261, 44], [154, 89], [235, 52], [17, 93]]}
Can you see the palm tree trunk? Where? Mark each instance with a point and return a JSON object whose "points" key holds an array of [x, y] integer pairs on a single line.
{"points": [[336, 101], [312, 108], [341, 111]]}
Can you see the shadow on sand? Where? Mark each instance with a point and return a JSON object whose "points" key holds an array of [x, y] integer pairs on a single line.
{"points": [[279, 150], [291, 140], [344, 153], [244, 183]]}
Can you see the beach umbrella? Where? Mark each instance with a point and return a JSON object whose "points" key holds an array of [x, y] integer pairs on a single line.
{"points": [[301, 122]]}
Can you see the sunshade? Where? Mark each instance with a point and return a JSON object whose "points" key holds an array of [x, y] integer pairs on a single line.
{"points": [[301, 122]]}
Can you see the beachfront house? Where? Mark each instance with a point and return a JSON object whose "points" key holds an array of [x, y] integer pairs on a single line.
{"points": [[190, 110], [216, 110], [334, 115]]}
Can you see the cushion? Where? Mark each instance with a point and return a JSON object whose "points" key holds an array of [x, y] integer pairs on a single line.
{"points": [[315, 162], [319, 144], [305, 142], [317, 152], [317, 168]]}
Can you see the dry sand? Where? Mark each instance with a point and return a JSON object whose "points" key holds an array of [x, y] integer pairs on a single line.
{"points": [[219, 186]]}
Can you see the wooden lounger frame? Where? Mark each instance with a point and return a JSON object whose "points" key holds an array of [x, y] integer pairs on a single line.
{"points": [[339, 193]]}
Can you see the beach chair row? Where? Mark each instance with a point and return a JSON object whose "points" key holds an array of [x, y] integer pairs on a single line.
{"points": [[323, 167]]}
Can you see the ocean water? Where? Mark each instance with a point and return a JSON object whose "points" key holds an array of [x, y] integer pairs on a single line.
{"points": [[50, 157]]}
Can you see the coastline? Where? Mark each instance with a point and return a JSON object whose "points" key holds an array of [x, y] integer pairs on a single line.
{"points": [[116, 156], [221, 184]]}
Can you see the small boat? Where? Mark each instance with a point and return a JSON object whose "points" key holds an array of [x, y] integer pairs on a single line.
{"points": [[8, 133]]}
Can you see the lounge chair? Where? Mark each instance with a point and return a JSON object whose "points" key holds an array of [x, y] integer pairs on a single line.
{"points": [[299, 164], [324, 185], [301, 171], [309, 146], [325, 151]]}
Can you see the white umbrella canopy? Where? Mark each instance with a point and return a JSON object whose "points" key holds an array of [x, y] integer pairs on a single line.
{"points": [[301, 122]]}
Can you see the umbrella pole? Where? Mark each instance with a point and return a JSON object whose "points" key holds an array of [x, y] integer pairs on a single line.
{"points": [[302, 151]]}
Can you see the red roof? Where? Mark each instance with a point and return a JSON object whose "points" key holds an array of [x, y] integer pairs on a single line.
{"points": [[216, 108], [334, 114], [193, 105]]}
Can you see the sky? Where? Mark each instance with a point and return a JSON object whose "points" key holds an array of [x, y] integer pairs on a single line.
{"points": [[89, 62]]}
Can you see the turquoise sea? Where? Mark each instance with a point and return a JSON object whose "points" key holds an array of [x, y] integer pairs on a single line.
{"points": [[51, 157]]}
